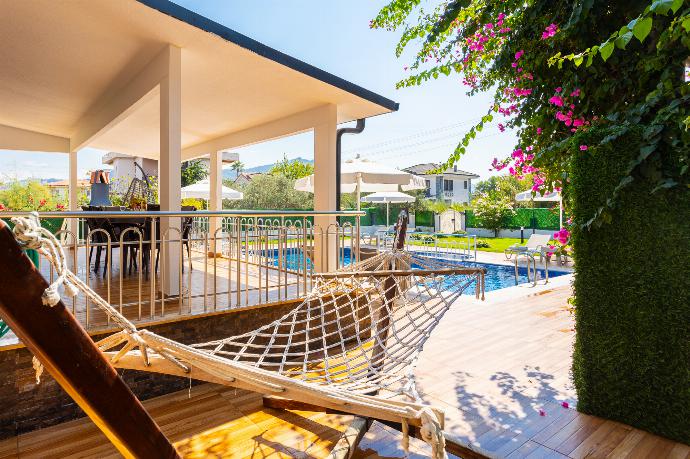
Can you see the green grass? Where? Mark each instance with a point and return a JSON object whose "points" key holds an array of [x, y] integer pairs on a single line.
{"points": [[498, 244]]}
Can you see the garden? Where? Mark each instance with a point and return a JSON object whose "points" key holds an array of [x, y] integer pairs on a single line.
{"points": [[598, 95]]}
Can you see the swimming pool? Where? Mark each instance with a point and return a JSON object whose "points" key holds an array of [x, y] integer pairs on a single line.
{"points": [[497, 276]]}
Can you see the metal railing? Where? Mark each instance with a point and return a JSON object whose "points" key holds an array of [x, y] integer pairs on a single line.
{"points": [[157, 265], [440, 245]]}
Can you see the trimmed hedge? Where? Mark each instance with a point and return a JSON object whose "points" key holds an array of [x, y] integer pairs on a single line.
{"points": [[546, 219], [632, 295], [424, 218]]}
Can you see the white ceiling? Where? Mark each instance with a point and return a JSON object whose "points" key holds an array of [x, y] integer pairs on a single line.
{"points": [[58, 59]]}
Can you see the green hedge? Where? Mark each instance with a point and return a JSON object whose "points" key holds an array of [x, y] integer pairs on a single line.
{"points": [[546, 219], [424, 218], [632, 296]]}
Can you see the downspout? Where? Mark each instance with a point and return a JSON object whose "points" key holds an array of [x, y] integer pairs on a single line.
{"points": [[338, 154]]}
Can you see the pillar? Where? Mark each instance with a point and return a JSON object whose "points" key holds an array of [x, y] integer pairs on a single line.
{"points": [[325, 191], [215, 201], [169, 180], [73, 193]]}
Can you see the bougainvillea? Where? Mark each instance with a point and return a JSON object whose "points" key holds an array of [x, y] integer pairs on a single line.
{"points": [[554, 85]]}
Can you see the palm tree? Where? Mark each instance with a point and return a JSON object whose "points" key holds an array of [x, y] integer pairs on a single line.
{"points": [[238, 167]]}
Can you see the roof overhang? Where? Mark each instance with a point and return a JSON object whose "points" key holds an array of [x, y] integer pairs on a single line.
{"points": [[75, 69]]}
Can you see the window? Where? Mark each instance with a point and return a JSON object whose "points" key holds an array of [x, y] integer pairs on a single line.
{"points": [[465, 184], [447, 185]]}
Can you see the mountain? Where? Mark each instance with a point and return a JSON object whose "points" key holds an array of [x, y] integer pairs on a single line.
{"points": [[230, 174]]}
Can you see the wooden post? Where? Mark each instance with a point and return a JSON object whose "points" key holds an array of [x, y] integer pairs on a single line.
{"points": [[389, 292], [67, 352]]}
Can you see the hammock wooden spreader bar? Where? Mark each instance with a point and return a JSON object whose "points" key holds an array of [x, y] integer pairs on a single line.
{"points": [[55, 337]]}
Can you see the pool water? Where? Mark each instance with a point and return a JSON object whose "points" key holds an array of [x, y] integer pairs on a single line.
{"points": [[497, 276]]}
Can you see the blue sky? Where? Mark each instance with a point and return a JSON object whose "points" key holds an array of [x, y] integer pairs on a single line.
{"points": [[334, 36]]}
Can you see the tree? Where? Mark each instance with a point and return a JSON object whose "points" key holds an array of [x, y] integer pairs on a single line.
{"points": [[492, 209], [294, 169], [31, 195], [507, 185], [238, 167], [269, 191], [437, 206], [569, 76], [192, 172]]}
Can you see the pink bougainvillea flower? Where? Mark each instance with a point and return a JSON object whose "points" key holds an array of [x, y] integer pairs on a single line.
{"points": [[556, 100], [559, 89], [565, 405], [549, 32], [539, 131], [519, 54], [583, 147], [575, 93], [501, 127], [542, 412]]}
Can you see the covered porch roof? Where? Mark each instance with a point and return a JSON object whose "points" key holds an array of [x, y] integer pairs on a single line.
{"points": [[87, 73]]}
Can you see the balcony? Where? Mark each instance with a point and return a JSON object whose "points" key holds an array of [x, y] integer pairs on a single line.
{"points": [[250, 259]]}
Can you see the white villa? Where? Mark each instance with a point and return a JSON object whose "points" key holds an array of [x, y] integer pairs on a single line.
{"points": [[453, 186]]}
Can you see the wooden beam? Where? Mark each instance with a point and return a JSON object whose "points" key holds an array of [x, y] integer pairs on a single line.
{"points": [[133, 361], [282, 127], [117, 103], [67, 352], [12, 138]]}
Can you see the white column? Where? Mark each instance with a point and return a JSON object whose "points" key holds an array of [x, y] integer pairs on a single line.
{"points": [[325, 191], [73, 193], [169, 180], [215, 201]]}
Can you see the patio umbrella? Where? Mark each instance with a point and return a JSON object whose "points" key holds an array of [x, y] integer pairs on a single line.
{"points": [[361, 175], [387, 197], [548, 197], [202, 190]]}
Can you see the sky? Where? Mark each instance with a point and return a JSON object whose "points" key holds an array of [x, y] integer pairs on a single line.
{"points": [[334, 36]]}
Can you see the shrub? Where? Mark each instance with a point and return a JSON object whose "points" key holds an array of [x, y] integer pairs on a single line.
{"points": [[632, 293], [482, 244]]}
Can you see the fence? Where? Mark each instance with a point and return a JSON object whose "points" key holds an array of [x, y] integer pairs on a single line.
{"points": [[539, 218], [252, 258]]}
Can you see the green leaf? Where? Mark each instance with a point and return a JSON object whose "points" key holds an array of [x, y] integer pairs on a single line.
{"points": [[661, 6], [686, 24], [646, 151], [578, 60], [642, 29], [623, 40], [606, 50], [676, 5]]}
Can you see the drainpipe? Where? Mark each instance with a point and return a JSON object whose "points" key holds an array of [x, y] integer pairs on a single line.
{"points": [[338, 146]]}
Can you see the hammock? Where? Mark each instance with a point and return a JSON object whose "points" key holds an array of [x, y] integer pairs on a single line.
{"points": [[350, 345]]}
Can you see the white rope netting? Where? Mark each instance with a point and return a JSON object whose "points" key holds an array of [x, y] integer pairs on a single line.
{"points": [[353, 341]]}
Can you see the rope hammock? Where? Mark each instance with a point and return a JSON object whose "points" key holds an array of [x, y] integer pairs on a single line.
{"points": [[351, 344]]}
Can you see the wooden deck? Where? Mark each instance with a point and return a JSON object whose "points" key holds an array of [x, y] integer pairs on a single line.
{"points": [[501, 371], [209, 421], [211, 284]]}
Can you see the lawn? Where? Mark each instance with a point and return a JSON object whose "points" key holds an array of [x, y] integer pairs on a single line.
{"points": [[498, 244]]}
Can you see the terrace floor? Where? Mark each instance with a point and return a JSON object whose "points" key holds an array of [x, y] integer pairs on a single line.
{"points": [[500, 369]]}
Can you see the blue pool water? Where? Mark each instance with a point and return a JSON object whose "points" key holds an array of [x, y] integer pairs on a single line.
{"points": [[497, 276]]}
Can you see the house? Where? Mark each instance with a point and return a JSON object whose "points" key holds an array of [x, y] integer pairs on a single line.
{"points": [[60, 188], [244, 178], [454, 185], [124, 167]]}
